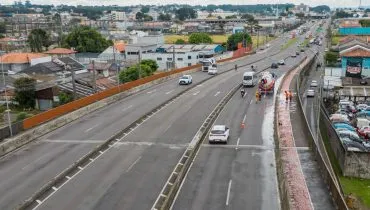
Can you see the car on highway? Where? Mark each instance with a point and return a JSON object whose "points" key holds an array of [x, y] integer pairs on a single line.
{"points": [[326, 49], [219, 133], [302, 49], [297, 53], [313, 83], [310, 93], [294, 55], [185, 80], [281, 62], [274, 66]]}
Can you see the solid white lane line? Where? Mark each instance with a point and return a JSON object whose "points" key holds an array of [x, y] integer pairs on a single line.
{"points": [[169, 92], [245, 117], [196, 93], [228, 192], [237, 143], [89, 129], [132, 165], [251, 102], [124, 109], [218, 92], [55, 189]]}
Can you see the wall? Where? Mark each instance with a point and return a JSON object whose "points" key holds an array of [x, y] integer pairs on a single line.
{"points": [[365, 66], [354, 31], [179, 64]]}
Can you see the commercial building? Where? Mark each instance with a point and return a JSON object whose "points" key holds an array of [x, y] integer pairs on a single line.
{"points": [[356, 61]]}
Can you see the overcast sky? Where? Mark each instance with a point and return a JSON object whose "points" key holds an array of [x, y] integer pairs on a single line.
{"points": [[331, 3]]}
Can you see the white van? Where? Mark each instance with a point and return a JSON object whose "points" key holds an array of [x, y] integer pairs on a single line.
{"points": [[249, 79], [362, 122]]}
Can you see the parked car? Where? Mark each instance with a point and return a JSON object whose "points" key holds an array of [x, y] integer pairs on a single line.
{"points": [[364, 132], [185, 80], [339, 118], [313, 83], [297, 53], [274, 66], [219, 133], [344, 125], [294, 55], [361, 107], [310, 93], [351, 135], [302, 49], [281, 62]]}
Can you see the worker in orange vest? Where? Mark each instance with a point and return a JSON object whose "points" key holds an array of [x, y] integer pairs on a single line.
{"points": [[290, 95], [286, 95]]}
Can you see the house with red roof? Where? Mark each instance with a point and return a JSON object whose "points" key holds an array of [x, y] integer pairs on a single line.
{"points": [[61, 52], [16, 62]]}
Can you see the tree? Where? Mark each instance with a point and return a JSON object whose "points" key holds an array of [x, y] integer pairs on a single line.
{"points": [[144, 10], [143, 17], [2, 28], [219, 17], [231, 17], [1, 36], [65, 97], [342, 14], [198, 38], [132, 73], [251, 23], [320, 9], [37, 39], [164, 17], [299, 15], [180, 41], [185, 13], [25, 92], [233, 40], [139, 16], [331, 58], [247, 16], [151, 63], [86, 39], [365, 23]]}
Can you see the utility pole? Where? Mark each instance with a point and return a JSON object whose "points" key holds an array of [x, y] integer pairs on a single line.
{"points": [[114, 63], [94, 76], [173, 58], [6, 98], [73, 82], [139, 63], [258, 37]]}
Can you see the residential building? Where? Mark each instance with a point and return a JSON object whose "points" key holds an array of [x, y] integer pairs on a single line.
{"points": [[132, 50], [16, 62], [356, 61], [116, 52], [8, 44], [118, 15], [53, 76], [61, 52], [302, 8]]}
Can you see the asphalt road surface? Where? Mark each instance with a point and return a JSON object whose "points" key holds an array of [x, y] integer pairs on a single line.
{"points": [[130, 175], [241, 174], [26, 170]]}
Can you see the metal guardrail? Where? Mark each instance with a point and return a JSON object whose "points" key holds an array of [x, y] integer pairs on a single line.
{"points": [[327, 174], [50, 188]]}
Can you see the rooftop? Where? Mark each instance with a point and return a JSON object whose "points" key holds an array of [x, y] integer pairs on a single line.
{"points": [[61, 51], [20, 58], [120, 46], [356, 51]]}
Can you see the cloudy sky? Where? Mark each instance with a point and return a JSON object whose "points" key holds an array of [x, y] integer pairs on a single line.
{"points": [[331, 3]]}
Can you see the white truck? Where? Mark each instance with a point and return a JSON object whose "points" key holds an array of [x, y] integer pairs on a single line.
{"points": [[207, 64], [249, 79]]}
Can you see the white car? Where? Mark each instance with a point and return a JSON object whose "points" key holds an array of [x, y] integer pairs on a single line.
{"points": [[362, 107], [219, 133], [185, 80], [281, 62], [313, 83], [310, 93]]}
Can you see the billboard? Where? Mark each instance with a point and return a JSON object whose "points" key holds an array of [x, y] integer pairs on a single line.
{"points": [[354, 68]]}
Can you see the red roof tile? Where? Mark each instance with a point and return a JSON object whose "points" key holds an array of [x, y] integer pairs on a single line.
{"points": [[120, 46], [60, 51], [359, 52], [20, 57]]}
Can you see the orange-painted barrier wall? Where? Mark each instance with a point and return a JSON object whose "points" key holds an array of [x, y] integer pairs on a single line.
{"points": [[77, 104]]}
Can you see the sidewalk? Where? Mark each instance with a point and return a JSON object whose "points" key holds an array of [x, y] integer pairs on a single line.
{"points": [[320, 195], [305, 186]]}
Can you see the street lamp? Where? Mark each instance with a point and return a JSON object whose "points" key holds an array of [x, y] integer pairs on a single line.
{"points": [[6, 98]]}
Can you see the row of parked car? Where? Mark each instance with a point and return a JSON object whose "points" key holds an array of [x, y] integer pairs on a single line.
{"points": [[352, 124]]}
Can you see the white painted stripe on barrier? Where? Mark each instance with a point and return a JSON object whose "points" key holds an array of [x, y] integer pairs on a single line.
{"points": [[228, 192]]}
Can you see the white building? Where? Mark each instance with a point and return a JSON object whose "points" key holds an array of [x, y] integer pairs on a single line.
{"points": [[183, 58], [132, 50], [302, 8], [117, 15]]}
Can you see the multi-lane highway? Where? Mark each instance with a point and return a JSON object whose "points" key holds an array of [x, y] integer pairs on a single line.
{"points": [[26, 170], [241, 174], [131, 174]]}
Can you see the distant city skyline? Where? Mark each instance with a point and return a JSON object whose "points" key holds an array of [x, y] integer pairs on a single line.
{"points": [[330, 3]]}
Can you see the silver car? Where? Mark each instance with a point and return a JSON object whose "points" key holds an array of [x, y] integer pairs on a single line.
{"points": [[310, 93]]}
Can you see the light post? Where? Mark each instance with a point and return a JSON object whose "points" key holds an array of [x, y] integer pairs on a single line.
{"points": [[6, 98]]}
